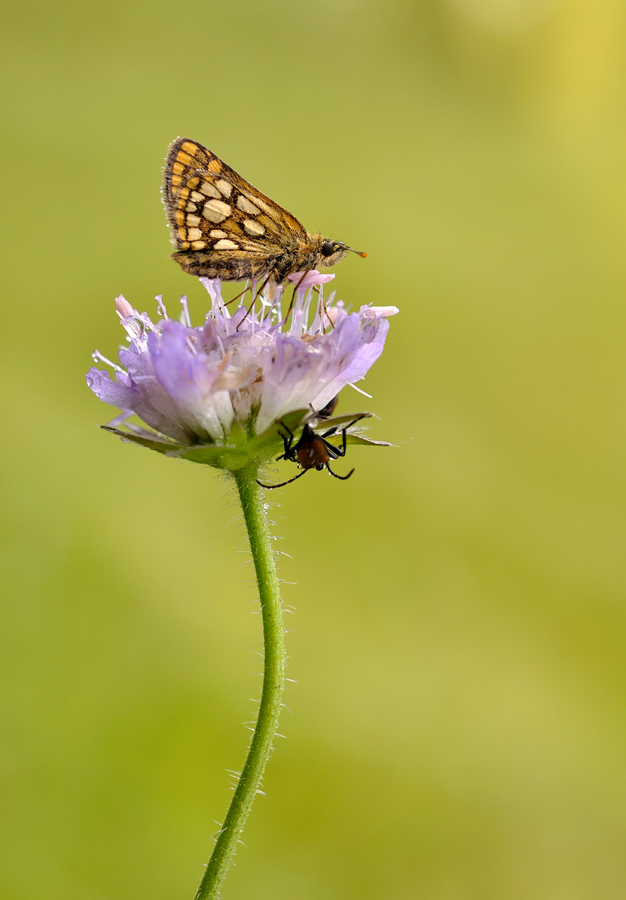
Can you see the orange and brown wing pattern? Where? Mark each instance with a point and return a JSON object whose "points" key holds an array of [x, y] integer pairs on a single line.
{"points": [[220, 225]]}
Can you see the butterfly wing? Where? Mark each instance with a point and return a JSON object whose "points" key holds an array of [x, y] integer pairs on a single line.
{"points": [[221, 225]]}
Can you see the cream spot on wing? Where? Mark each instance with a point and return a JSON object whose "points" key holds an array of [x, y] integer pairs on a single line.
{"points": [[226, 245], [245, 206], [191, 207], [267, 220], [264, 206], [207, 188], [193, 220], [224, 187], [198, 245], [194, 234], [197, 196], [216, 233], [253, 228], [216, 211]]}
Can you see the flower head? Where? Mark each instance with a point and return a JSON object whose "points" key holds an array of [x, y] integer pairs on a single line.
{"points": [[217, 392]]}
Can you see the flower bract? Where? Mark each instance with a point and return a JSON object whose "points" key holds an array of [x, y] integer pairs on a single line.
{"points": [[217, 393]]}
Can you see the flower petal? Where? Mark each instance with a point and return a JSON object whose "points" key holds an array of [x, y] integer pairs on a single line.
{"points": [[243, 372], [309, 279]]}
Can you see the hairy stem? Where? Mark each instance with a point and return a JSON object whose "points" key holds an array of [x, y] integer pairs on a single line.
{"points": [[273, 683]]}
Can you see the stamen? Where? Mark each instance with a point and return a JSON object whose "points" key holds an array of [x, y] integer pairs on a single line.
{"points": [[98, 357], [365, 394], [185, 318], [161, 306]]}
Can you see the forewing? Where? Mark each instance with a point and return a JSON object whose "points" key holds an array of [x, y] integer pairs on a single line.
{"points": [[211, 208]]}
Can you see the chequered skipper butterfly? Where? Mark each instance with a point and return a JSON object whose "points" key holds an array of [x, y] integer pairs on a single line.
{"points": [[222, 227]]}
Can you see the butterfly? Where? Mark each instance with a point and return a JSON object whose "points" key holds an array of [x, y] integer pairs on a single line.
{"points": [[222, 227]]}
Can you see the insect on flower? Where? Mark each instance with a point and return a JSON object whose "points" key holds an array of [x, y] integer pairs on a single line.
{"points": [[222, 227], [313, 451]]}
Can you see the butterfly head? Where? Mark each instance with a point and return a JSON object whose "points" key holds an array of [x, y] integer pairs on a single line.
{"points": [[332, 252]]}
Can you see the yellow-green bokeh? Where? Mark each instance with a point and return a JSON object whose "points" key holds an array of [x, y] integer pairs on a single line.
{"points": [[457, 731]]}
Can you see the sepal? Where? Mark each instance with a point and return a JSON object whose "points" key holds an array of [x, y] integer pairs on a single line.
{"points": [[232, 454]]}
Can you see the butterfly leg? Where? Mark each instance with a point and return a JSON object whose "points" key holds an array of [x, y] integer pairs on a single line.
{"points": [[241, 294], [324, 311], [255, 296], [294, 292]]}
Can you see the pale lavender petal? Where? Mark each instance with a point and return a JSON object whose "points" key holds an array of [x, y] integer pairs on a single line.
{"points": [[109, 391], [310, 278], [179, 371], [249, 367], [379, 311]]}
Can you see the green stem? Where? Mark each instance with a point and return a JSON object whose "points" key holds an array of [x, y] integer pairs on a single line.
{"points": [[273, 683]]}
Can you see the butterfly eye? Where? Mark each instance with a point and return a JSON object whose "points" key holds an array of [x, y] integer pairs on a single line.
{"points": [[327, 249]]}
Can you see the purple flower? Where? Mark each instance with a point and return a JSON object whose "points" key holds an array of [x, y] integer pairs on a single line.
{"points": [[237, 375]]}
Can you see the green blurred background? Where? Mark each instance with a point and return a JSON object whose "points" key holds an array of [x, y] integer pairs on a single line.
{"points": [[458, 730]]}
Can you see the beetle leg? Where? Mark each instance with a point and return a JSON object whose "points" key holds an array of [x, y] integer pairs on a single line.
{"points": [[270, 487], [340, 477]]}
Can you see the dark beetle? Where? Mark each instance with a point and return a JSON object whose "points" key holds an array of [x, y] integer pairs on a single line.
{"points": [[312, 451]]}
